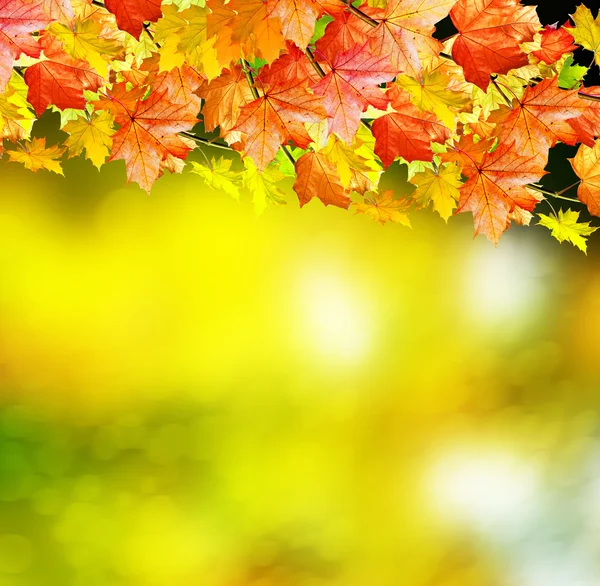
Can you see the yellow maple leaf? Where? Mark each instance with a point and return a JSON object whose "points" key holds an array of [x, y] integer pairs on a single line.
{"points": [[182, 36], [263, 185], [35, 156], [219, 176], [382, 207], [565, 226], [16, 115], [354, 170], [431, 93], [94, 134], [587, 30], [438, 185], [83, 40]]}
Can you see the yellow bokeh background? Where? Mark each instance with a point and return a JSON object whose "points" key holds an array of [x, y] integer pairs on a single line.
{"points": [[193, 395]]}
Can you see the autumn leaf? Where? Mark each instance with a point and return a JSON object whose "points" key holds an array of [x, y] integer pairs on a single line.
{"points": [[298, 18], [16, 116], [59, 10], [317, 177], [587, 30], [408, 132], [490, 32], [148, 137], [586, 165], [538, 120], [566, 226], [224, 96], [35, 156], [251, 27], [92, 133], [587, 126], [59, 80], [132, 14], [430, 92], [571, 74], [343, 33], [219, 176], [351, 86], [382, 207], [83, 41], [439, 185], [554, 43], [405, 32], [18, 19], [277, 117], [263, 185], [496, 185]]}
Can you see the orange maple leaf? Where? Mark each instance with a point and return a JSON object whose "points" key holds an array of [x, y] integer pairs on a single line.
{"points": [[224, 96], [316, 176], [147, 140], [587, 126], [408, 132], [496, 185], [586, 165], [538, 120], [277, 117], [490, 32], [298, 18]]}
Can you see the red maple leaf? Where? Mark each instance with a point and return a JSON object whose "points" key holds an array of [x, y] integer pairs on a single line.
{"points": [[555, 43], [59, 80], [351, 85], [18, 19], [408, 132], [132, 14], [345, 31], [490, 32]]}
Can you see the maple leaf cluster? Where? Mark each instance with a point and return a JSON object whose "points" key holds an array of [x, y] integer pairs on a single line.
{"points": [[329, 93]]}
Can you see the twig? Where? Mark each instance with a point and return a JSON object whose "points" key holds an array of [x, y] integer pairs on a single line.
{"points": [[250, 79], [552, 193]]}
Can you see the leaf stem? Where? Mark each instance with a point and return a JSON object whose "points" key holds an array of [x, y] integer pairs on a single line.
{"points": [[313, 62], [508, 102], [360, 14], [206, 141], [570, 186]]}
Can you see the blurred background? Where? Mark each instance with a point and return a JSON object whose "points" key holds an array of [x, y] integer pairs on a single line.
{"points": [[190, 395]]}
